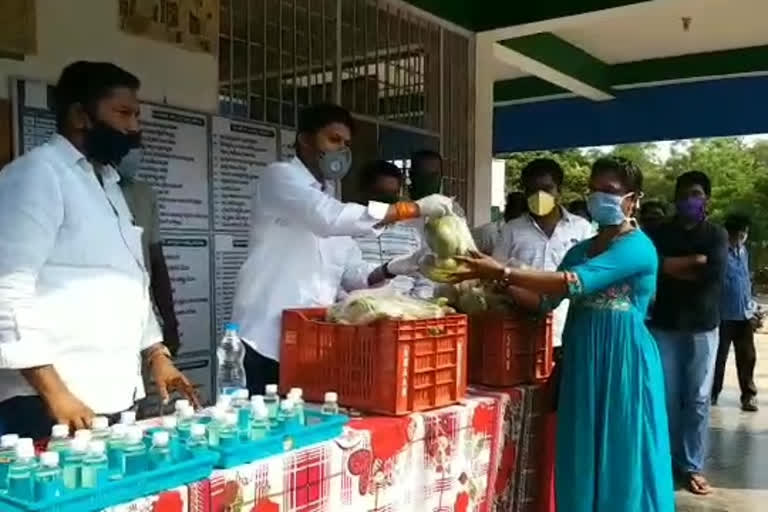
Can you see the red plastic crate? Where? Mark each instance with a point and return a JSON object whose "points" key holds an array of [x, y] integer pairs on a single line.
{"points": [[388, 367], [509, 349]]}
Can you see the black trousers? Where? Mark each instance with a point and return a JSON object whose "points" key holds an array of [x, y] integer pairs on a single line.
{"points": [[741, 335], [259, 371]]}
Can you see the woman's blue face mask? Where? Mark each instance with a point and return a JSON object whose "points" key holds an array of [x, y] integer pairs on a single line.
{"points": [[606, 209]]}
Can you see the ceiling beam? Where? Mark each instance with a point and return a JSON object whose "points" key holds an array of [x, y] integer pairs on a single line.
{"points": [[558, 62]]}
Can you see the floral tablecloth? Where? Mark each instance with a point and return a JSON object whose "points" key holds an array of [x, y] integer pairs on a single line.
{"points": [[472, 457]]}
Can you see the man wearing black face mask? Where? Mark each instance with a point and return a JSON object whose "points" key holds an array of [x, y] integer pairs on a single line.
{"points": [[426, 173], [301, 252], [75, 312]]}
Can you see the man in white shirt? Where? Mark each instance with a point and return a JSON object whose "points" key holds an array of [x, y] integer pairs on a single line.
{"points": [[383, 181], [488, 235], [75, 310], [301, 252], [542, 237]]}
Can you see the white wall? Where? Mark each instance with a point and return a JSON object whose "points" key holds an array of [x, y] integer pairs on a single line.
{"points": [[69, 30], [498, 175]]}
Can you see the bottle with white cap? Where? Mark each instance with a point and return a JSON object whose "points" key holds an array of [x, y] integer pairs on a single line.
{"points": [[72, 463], [185, 418], [115, 455], [170, 425], [230, 354], [21, 471], [272, 399], [8, 444], [297, 395], [47, 478], [59, 441], [100, 428], [160, 452], [228, 431], [134, 451], [197, 440], [217, 422], [95, 465], [330, 404], [259, 420], [85, 434], [242, 407], [287, 416], [128, 417]]}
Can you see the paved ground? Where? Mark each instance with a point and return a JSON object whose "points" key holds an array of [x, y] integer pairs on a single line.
{"points": [[738, 462]]}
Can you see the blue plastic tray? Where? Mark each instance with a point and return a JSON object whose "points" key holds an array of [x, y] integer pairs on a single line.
{"points": [[319, 427], [119, 491]]}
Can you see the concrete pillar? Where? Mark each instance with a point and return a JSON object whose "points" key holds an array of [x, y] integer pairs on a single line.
{"points": [[482, 178]]}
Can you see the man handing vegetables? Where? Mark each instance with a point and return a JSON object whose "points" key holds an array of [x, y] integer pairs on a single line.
{"points": [[301, 252]]}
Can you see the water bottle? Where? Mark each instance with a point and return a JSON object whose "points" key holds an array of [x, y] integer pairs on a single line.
{"points": [[100, 428], [160, 452], [128, 418], [217, 422], [59, 441], [185, 418], [180, 405], [115, 456], [228, 432], [170, 425], [197, 441], [242, 408], [134, 451], [21, 471], [84, 434], [259, 420], [297, 395], [95, 465], [72, 464], [230, 353], [331, 404], [287, 417], [272, 400], [8, 444], [48, 482]]}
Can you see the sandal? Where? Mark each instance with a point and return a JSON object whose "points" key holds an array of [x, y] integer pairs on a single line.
{"points": [[697, 484]]}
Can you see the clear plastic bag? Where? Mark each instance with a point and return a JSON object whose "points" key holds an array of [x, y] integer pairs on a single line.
{"points": [[447, 237], [366, 306]]}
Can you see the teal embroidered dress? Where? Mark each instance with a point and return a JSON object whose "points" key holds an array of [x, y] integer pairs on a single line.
{"points": [[612, 438]]}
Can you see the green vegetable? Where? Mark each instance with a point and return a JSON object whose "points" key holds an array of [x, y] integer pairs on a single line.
{"points": [[448, 236]]}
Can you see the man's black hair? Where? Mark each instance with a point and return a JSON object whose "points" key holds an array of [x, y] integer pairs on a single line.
{"points": [[628, 173], [737, 222], [375, 169], [693, 178], [314, 118], [543, 167], [87, 83], [419, 157], [650, 204]]}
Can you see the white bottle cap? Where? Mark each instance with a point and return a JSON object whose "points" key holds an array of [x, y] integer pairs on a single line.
{"points": [[224, 401], [78, 445], [271, 389], [60, 431], [197, 430], [242, 394], [181, 404], [99, 423], [169, 422], [134, 434], [96, 447], [128, 417], [287, 404], [9, 440], [26, 441], [261, 411], [332, 397], [219, 413], [257, 399], [119, 430], [230, 419], [160, 438], [25, 451], [49, 459], [186, 412], [296, 393], [83, 434]]}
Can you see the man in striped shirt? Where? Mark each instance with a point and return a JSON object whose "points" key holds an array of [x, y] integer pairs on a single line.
{"points": [[383, 181]]}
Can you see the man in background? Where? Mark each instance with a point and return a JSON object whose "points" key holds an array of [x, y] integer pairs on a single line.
{"points": [[579, 207], [652, 214], [426, 174], [383, 181], [487, 236], [737, 310], [685, 319]]}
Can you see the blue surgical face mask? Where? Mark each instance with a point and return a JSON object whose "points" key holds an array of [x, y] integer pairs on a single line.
{"points": [[605, 208]]}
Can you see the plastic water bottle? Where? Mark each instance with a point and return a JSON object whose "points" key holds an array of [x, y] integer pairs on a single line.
{"points": [[197, 441], [72, 464], [134, 451], [272, 400], [20, 472], [297, 395], [47, 478], [228, 431], [160, 452], [181, 404], [128, 418], [100, 428], [8, 444], [230, 372], [242, 407], [331, 404], [95, 465], [59, 440], [115, 456], [216, 424], [288, 416], [170, 425], [185, 418], [259, 420], [85, 434]]}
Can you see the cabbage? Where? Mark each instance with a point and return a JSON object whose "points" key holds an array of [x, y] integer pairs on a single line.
{"points": [[366, 306], [447, 237]]}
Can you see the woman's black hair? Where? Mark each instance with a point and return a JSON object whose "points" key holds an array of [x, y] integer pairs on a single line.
{"points": [[314, 118], [693, 178], [373, 170], [629, 174], [87, 83], [543, 167], [737, 222]]}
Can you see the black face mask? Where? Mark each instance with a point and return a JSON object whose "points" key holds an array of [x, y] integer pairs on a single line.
{"points": [[424, 184], [109, 146]]}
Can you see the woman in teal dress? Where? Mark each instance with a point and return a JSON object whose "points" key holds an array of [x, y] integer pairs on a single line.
{"points": [[612, 452]]}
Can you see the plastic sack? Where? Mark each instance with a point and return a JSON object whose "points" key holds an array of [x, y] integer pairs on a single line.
{"points": [[447, 237], [366, 306]]}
